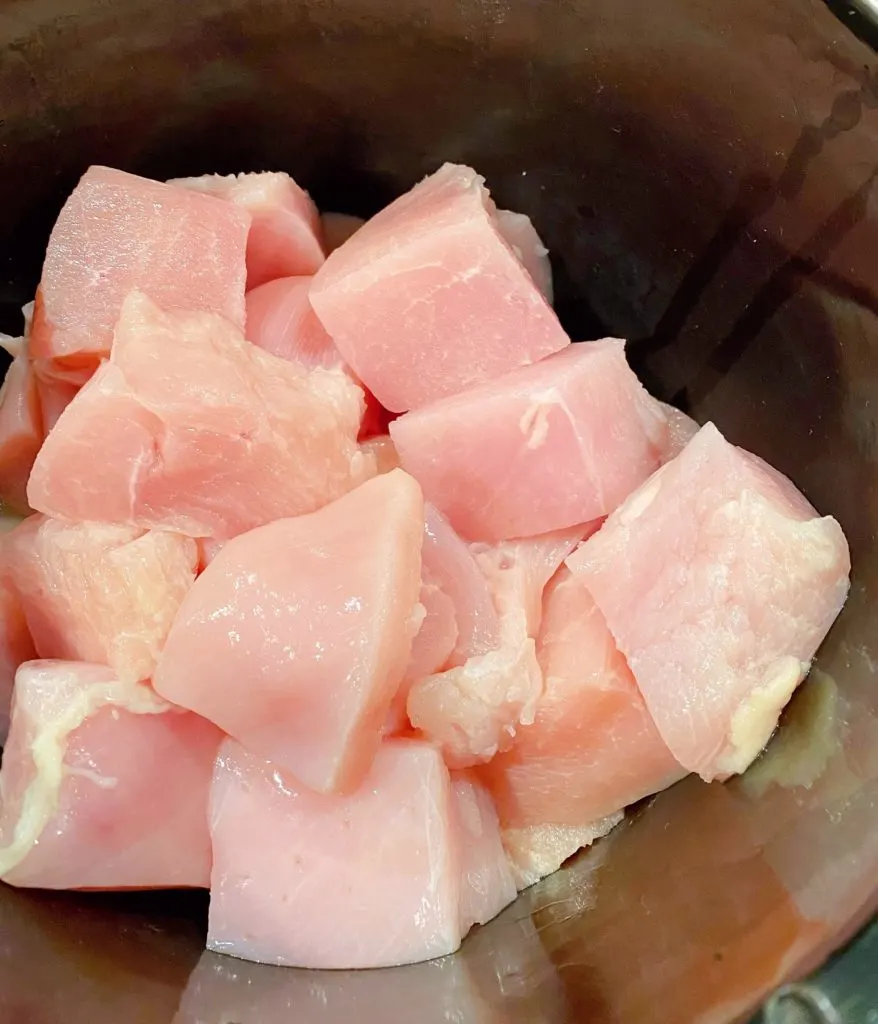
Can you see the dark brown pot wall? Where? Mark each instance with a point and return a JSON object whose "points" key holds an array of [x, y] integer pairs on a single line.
{"points": [[705, 174]]}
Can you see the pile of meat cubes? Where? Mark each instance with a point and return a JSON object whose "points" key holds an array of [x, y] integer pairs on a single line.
{"points": [[348, 588]]}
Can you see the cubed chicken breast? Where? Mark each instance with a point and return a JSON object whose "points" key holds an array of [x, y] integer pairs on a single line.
{"points": [[198, 432], [99, 593], [450, 565], [104, 785], [118, 232], [592, 748], [476, 709], [521, 236], [280, 320], [16, 643], [281, 850], [718, 581], [21, 432], [296, 637], [486, 881], [428, 298], [681, 430], [284, 237], [545, 447]]}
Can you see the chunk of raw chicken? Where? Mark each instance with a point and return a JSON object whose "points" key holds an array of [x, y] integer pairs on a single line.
{"points": [[281, 851], [99, 593], [427, 298], [280, 320], [451, 566], [284, 238], [198, 432], [118, 232], [295, 638], [562, 442], [522, 237], [475, 710], [54, 395], [681, 430], [434, 642], [592, 748], [21, 432], [486, 882], [104, 785], [539, 850], [16, 644], [718, 581], [338, 228], [460, 620]]}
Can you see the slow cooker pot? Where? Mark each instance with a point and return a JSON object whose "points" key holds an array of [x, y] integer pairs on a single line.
{"points": [[706, 175]]}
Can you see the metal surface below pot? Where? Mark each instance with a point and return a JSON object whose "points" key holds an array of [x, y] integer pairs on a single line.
{"points": [[705, 175]]}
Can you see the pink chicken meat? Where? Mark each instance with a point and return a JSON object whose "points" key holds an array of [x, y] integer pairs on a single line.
{"points": [[592, 748], [428, 298], [16, 643], [718, 582], [476, 709], [280, 851], [547, 446], [118, 232], [103, 785], [284, 236], [280, 320], [21, 432], [295, 638], [199, 431], [98, 593], [521, 236]]}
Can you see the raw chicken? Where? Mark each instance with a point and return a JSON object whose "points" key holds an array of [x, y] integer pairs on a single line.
{"points": [[561, 442], [299, 879], [521, 235], [284, 238], [208, 549], [539, 850], [593, 748], [103, 784], [518, 571], [427, 298], [434, 642], [338, 228], [296, 636], [280, 320], [475, 710], [460, 619], [486, 882], [198, 432], [681, 430], [117, 232], [16, 645], [451, 566], [99, 593], [54, 396], [718, 581], [21, 432]]}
